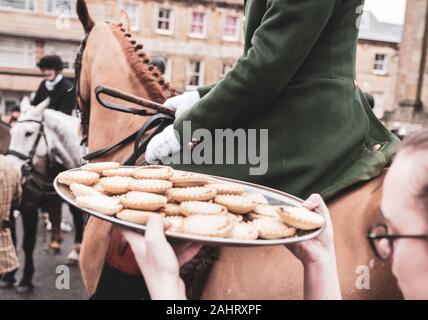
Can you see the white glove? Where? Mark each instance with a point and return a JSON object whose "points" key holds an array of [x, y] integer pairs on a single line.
{"points": [[183, 102], [162, 146]]}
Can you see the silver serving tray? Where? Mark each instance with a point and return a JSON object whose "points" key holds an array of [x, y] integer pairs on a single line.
{"points": [[273, 196]]}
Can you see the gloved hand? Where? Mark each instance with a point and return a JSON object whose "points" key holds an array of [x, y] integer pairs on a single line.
{"points": [[162, 146], [183, 102]]}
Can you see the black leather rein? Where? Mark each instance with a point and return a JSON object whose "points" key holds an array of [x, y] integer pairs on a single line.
{"points": [[161, 121]]}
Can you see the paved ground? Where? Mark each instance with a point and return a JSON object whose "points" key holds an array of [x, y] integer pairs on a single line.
{"points": [[46, 265]]}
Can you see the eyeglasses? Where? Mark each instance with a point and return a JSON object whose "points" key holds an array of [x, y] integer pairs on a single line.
{"points": [[382, 242]]}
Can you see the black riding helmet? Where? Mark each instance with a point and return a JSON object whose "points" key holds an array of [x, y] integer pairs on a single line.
{"points": [[159, 62], [51, 62]]}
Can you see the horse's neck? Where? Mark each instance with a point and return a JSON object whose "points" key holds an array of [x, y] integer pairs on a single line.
{"points": [[110, 66], [63, 140]]}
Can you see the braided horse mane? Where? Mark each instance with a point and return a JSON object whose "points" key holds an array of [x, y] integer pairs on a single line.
{"points": [[148, 75]]}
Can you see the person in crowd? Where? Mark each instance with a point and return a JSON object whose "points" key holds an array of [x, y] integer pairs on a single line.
{"points": [[15, 113], [60, 90], [402, 238], [62, 98], [5, 119], [297, 71], [159, 62], [12, 117], [10, 194]]}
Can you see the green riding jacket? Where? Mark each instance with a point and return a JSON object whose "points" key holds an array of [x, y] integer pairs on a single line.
{"points": [[296, 78]]}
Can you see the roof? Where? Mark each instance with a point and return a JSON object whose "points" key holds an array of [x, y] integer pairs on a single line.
{"points": [[374, 30]]}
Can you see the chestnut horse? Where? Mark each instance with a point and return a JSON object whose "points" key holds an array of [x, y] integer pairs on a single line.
{"points": [[112, 58]]}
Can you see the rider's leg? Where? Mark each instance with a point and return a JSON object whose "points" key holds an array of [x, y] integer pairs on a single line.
{"points": [[55, 215], [78, 220], [29, 221], [78, 224]]}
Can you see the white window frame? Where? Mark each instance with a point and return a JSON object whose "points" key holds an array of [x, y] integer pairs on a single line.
{"points": [[223, 65], [29, 49], [237, 28], [202, 35], [27, 6], [134, 27], [384, 63], [168, 69], [54, 13], [189, 75], [379, 108], [170, 31]]}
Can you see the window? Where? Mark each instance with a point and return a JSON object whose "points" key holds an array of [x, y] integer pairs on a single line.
{"points": [[380, 63], [231, 28], [17, 53], [379, 101], [133, 11], [60, 7], [17, 4], [164, 23], [168, 69], [194, 74], [226, 67], [198, 25], [66, 51], [9, 104]]}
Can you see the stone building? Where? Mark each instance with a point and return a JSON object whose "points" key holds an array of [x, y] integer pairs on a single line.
{"points": [[200, 39], [377, 61], [411, 107]]}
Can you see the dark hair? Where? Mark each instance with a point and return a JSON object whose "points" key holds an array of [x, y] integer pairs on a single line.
{"points": [[159, 62], [418, 143], [51, 62], [15, 109]]}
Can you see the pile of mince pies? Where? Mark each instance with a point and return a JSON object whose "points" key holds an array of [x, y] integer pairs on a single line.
{"points": [[192, 203]]}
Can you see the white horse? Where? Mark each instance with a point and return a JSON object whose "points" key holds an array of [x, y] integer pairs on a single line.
{"points": [[61, 140], [42, 139]]}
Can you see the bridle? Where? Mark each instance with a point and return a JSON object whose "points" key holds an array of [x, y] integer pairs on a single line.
{"points": [[159, 121], [29, 159], [31, 178], [80, 102]]}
